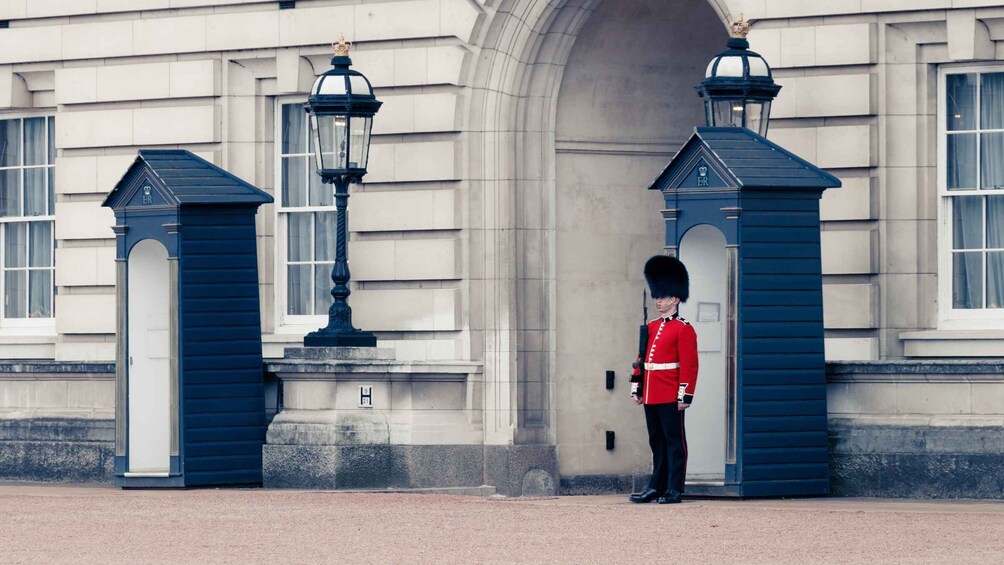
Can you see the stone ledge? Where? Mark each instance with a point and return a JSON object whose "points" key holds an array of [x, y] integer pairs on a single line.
{"points": [[59, 370], [966, 370], [953, 343], [304, 369]]}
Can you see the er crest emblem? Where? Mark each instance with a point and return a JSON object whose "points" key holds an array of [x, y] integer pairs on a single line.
{"points": [[147, 196], [702, 176]]}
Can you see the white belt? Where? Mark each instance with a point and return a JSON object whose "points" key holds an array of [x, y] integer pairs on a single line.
{"points": [[661, 366]]}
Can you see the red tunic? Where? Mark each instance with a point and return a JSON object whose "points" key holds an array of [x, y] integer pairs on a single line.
{"points": [[671, 362]]}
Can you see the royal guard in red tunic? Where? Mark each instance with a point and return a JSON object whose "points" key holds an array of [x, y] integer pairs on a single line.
{"points": [[665, 380]]}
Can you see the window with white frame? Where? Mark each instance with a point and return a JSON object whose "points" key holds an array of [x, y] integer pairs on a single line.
{"points": [[27, 210], [306, 223]]}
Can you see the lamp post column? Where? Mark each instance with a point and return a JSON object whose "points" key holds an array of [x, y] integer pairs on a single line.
{"points": [[340, 332]]}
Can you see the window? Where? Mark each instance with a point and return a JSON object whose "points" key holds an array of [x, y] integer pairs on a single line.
{"points": [[306, 224], [27, 209]]}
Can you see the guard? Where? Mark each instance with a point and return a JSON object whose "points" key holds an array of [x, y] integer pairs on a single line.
{"points": [[664, 380]]}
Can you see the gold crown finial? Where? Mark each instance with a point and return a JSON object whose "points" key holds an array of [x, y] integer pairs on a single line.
{"points": [[740, 27], [342, 47]]}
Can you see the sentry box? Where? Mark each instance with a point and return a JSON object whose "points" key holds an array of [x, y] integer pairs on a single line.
{"points": [[189, 405], [743, 214]]}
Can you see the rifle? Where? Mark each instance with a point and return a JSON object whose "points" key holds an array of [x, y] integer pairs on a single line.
{"points": [[637, 380]]}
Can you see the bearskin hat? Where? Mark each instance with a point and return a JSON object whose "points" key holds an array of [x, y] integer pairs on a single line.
{"points": [[667, 276]]}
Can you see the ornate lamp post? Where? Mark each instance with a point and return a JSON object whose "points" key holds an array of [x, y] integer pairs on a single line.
{"points": [[341, 108], [738, 87]]}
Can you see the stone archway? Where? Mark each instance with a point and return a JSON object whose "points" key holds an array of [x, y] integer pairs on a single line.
{"points": [[511, 204]]}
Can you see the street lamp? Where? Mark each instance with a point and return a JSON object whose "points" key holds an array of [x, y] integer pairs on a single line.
{"points": [[341, 108], [738, 87]]}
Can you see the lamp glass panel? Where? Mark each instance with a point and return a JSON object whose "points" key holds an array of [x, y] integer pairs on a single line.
{"points": [[729, 112], [757, 114], [331, 141], [359, 144]]}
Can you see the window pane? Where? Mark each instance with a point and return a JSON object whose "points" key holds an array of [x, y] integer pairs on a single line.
{"points": [[322, 288], [992, 160], [967, 280], [962, 161], [40, 294], [15, 295], [51, 182], [52, 141], [991, 100], [294, 182], [320, 194], [298, 290], [960, 102], [294, 135], [35, 190], [967, 222], [40, 239], [10, 143], [10, 192], [298, 247], [995, 222], [995, 280], [15, 248], [324, 236], [36, 150]]}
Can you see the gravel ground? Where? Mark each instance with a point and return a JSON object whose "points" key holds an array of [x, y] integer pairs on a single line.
{"points": [[58, 524]]}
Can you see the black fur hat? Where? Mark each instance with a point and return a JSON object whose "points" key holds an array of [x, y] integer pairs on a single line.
{"points": [[667, 276]]}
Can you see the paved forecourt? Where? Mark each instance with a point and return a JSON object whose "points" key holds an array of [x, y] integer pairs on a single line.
{"points": [[60, 524]]}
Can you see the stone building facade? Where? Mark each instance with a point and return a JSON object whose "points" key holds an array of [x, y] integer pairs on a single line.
{"points": [[504, 219]]}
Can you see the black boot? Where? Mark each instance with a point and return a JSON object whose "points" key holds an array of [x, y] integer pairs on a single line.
{"points": [[647, 495], [670, 497]]}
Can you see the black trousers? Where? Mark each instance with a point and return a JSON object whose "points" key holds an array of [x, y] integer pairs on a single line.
{"points": [[668, 440]]}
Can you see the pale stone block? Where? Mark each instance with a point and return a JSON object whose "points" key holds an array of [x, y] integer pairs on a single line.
{"points": [[133, 82], [76, 174], [13, 9], [83, 220], [111, 169], [50, 8], [446, 64], [97, 40], [968, 38], [77, 266], [836, 95], [849, 306], [425, 259], [188, 124], [458, 18], [851, 348], [293, 73], [798, 47], [406, 310], [847, 44], [244, 30], [425, 161], [85, 313], [801, 141], [801, 8], [397, 20], [76, 85], [106, 6], [402, 211], [95, 128], [84, 351], [988, 398], [411, 66], [845, 146], [934, 398], [90, 394], [33, 350], [32, 394], [397, 115], [13, 89], [436, 112], [852, 201], [902, 150], [372, 260], [169, 35], [861, 398], [28, 44], [767, 42], [847, 252], [381, 163], [195, 78], [785, 105], [316, 26]]}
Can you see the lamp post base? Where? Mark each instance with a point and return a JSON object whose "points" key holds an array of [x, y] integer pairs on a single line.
{"points": [[322, 338]]}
